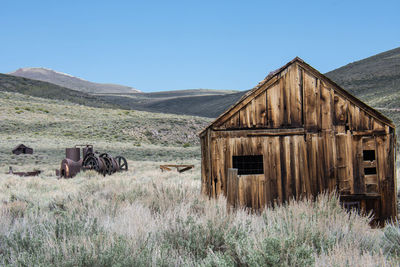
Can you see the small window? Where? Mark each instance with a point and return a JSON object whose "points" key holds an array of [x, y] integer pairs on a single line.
{"points": [[252, 164], [369, 155], [352, 205], [369, 171]]}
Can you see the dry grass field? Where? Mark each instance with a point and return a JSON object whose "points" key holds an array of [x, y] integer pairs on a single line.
{"points": [[145, 217]]}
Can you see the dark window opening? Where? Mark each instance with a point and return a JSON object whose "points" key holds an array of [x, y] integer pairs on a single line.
{"points": [[352, 205], [248, 164], [368, 171], [369, 155]]}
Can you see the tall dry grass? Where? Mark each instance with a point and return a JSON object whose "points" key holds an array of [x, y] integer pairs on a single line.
{"points": [[150, 218]]}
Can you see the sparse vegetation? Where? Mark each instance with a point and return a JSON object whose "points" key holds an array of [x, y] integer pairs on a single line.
{"points": [[138, 135]]}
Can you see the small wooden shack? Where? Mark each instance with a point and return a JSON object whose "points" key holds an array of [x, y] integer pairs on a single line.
{"points": [[22, 149], [297, 133]]}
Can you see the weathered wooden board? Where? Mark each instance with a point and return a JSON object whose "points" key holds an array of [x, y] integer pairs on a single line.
{"points": [[311, 101], [344, 163], [232, 196], [340, 110], [326, 102], [275, 106], [358, 172], [260, 110]]}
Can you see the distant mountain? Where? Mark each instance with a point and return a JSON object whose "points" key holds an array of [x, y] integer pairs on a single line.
{"points": [[203, 103], [189, 92], [71, 82], [199, 102], [375, 80], [37, 88]]}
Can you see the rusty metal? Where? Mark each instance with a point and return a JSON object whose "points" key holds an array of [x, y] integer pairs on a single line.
{"points": [[73, 153], [112, 165], [108, 164], [179, 168], [92, 161], [102, 163], [70, 168], [122, 163], [22, 149], [24, 174], [86, 149]]}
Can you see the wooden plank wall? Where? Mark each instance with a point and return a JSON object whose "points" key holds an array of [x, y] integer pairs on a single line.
{"points": [[293, 167], [296, 166], [278, 106]]}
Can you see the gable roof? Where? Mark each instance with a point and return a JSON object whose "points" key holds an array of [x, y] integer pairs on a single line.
{"points": [[273, 76]]}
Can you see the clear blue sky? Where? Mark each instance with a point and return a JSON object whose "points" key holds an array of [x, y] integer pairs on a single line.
{"points": [[166, 45]]}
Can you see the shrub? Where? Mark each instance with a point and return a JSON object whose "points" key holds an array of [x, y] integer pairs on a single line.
{"points": [[68, 240], [43, 110], [391, 239]]}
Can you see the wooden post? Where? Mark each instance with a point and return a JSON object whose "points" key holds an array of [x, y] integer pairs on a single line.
{"points": [[232, 187]]}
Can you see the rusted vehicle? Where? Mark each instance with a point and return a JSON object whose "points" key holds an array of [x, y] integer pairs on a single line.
{"points": [[103, 163]]}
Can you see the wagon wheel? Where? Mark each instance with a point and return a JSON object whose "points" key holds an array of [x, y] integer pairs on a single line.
{"points": [[109, 168], [91, 162], [122, 163]]}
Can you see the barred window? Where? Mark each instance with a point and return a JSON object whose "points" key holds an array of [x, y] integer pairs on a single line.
{"points": [[249, 164]]}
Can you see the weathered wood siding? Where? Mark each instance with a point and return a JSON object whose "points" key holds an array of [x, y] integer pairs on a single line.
{"points": [[312, 137], [294, 166], [277, 106]]}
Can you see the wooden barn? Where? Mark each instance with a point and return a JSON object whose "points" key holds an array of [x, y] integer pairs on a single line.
{"points": [[297, 133]]}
